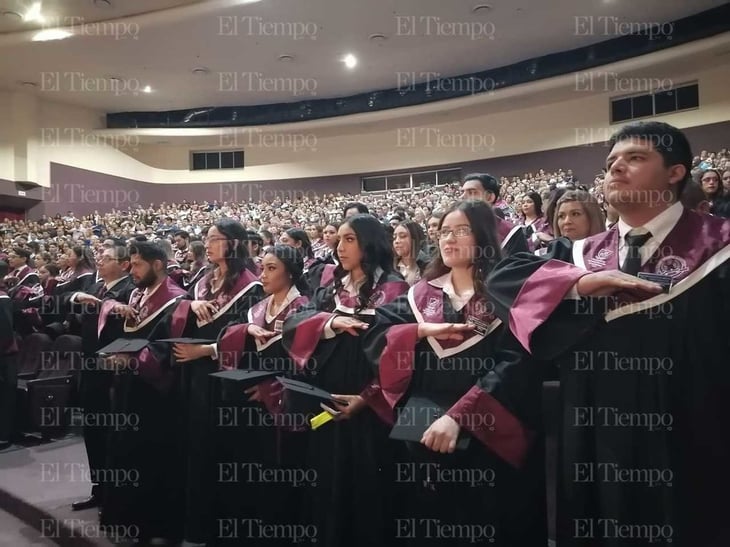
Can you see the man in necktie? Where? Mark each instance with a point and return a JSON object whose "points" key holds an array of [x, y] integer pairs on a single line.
{"points": [[96, 332], [662, 354]]}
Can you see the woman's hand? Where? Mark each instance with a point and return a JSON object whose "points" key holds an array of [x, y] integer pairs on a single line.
{"points": [[354, 404], [444, 331], [350, 325], [254, 393], [204, 309], [442, 435], [191, 352], [259, 333]]}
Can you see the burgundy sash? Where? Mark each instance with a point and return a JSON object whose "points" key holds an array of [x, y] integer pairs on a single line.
{"points": [[384, 293], [427, 304], [167, 293]]}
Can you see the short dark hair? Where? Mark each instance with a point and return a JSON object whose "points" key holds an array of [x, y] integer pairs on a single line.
{"points": [[183, 234], [23, 253], [148, 251], [361, 208], [666, 139], [488, 182]]}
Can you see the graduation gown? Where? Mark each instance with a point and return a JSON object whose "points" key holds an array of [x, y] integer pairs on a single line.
{"points": [[55, 307], [193, 391], [351, 458], [8, 367], [512, 237], [267, 441], [146, 491], [644, 378], [492, 389], [98, 330]]}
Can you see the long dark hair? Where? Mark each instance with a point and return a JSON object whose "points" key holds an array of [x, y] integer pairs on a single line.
{"points": [[301, 236], [484, 229], [85, 258], [537, 200], [237, 257], [377, 252], [293, 264]]}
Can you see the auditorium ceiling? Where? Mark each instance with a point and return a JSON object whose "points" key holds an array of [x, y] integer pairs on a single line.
{"points": [[145, 55]]}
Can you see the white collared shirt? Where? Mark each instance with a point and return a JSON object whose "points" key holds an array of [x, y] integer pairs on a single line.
{"points": [[659, 226], [147, 294], [458, 301], [352, 289]]}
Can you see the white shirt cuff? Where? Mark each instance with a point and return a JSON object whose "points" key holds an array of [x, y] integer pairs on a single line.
{"points": [[73, 297], [328, 330], [215, 351], [572, 293]]}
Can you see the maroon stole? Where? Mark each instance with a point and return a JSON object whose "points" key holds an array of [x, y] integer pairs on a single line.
{"points": [[426, 299], [384, 292], [72, 276], [22, 274], [167, 294], [505, 229], [694, 248], [223, 300], [328, 275]]}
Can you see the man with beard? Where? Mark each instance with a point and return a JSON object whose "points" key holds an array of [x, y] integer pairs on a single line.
{"points": [[98, 329], [143, 494]]}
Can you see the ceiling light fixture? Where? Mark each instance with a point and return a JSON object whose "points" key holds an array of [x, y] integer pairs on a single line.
{"points": [[377, 37], [103, 3], [350, 60], [34, 13], [51, 34], [286, 58], [12, 15], [29, 85], [201, 71], [146, 89], [481, 9]]}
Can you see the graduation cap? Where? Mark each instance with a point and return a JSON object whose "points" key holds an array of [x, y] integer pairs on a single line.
{"points": [[235, 382], [416, 417], [124, 345], [305, 398], [187, 341]]}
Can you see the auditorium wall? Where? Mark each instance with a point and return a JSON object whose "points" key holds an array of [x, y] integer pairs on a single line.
{"points": [[85, 191]]}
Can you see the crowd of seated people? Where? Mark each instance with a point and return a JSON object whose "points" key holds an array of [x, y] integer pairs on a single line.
{"points": [[322, 287]]}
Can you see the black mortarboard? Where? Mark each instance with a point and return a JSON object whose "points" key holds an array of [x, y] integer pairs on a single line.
{"points": [[124, 345], [300, 397], [416, 417], [235, 382]]}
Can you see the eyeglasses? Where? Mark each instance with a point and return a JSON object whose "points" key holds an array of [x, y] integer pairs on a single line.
{"points": [[459, 231]]}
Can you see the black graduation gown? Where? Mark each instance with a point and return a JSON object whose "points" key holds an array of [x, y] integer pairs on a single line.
{"points": [[644, 378], [144, 491], [8, 367], [493, 490], [262, 469], [54, 308], [352, 458], [96, 383], [194, 389]]}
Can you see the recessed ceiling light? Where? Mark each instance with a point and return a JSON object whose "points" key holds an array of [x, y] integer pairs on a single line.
{"points": [[51, 34], [146, 89], [377, 37], [201, 71], [34, 13], [30, 85], [103, 3], [286, 58], [350, 60], [12, 15], [481, 9]]}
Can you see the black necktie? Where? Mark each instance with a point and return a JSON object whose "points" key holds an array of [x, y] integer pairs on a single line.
{"points": [[632, 263]]}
